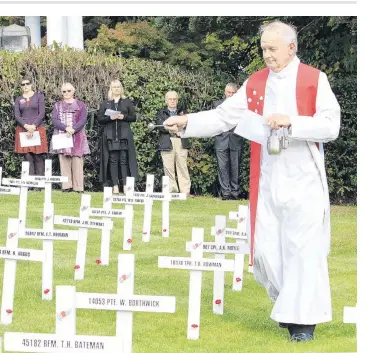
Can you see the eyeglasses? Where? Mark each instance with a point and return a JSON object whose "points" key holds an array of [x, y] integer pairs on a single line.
{"points": [[25, 84], [69, 90]]}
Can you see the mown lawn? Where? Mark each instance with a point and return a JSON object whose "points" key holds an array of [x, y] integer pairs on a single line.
{"points": [[245, 325]]}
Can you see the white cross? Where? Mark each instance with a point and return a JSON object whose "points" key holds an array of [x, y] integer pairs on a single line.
{"points": [[124, 302], [129, 200], [48, 179], [107, 212], [83, 223], [243, 224], [48, 235], [23, 184], [196, 263], [11, 253], [165, 197], [219, 248], [65, 340]]}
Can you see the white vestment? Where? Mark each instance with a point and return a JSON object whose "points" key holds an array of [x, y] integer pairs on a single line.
{"points": [[292, 230]]}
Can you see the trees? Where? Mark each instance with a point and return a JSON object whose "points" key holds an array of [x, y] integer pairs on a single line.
{"points": [[227, 49]]}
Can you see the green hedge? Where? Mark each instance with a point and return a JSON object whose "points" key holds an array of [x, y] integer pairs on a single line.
{"points": [[145, 82]]}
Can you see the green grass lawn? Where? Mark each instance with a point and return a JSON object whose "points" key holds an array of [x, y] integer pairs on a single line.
{"points": [[245, 325]]}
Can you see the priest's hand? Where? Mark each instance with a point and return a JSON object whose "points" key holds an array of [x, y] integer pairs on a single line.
{"points": [[175, 123], [276, 121]]}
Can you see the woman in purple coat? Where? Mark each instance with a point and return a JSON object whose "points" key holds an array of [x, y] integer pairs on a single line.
{"points": [[69, 117], [29, 111]]}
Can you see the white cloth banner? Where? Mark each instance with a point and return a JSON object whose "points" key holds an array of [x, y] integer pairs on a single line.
{"points": [[62, 141], [29, 141]]}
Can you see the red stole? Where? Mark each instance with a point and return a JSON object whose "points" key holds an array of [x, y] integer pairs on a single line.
{"points": [[306, 92]]}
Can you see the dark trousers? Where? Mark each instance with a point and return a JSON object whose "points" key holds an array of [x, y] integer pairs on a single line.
{"points": [[229, 171], [118, 159], [36, 163]]}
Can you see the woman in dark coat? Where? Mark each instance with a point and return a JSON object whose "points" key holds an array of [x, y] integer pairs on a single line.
{"points": [[118, 152]]}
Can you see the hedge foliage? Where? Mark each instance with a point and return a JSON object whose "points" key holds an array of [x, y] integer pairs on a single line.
{"points": [[146, 82]]}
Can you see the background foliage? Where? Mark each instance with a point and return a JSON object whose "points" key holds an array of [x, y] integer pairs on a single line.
{"points": [[196, 56]]}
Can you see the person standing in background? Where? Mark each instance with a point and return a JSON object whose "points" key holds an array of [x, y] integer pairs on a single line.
{"points": [[173, 149], [29, 111], [228, 149], [70, 116], [118, 153]]}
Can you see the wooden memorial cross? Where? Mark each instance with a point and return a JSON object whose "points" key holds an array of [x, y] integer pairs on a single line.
{"points": [[129, 200], [7, 190], [219, 248], [196, 263], [11, 253], [146, 231], [360, 317], [83, 223], [165, 204], [65, 340], [240, 234], [48, 179], [48, 235], [124, 302], [46, 182], [165, 197], [24, 185], [242, 218], [107, 212]]}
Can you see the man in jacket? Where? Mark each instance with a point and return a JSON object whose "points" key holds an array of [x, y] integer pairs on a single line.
{"points": [[228, 148], [173, 148]]}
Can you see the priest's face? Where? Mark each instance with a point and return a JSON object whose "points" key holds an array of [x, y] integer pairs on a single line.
{"points": [[277, 53]]}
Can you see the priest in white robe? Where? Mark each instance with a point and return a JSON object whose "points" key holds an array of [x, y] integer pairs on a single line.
{"points": [[289, 198]]}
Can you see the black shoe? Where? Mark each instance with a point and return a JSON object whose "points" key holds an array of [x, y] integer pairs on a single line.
{"points": [[235, 197], [301, 337], [67, 190], [283, 325], [226, 197], [301, 333]]}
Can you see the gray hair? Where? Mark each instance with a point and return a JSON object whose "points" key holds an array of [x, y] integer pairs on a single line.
{"points": [[67, 85], [231, 85], [287, 32], [170, 92]]}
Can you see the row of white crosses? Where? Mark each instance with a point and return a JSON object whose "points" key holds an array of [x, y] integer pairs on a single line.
{"points": [[124, 302], [125, 275], [144, 198], [196, 264], [16, 230], [132, 197], [47, 234]]}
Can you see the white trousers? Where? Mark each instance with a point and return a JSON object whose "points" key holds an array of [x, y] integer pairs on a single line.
{"points": [[290, 245]]}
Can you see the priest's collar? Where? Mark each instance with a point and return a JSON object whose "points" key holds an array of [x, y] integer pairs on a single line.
{"points": [[288, 69]]}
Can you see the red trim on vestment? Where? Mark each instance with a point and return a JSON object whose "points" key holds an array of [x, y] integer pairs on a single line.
{"points": [[306, 93]]}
